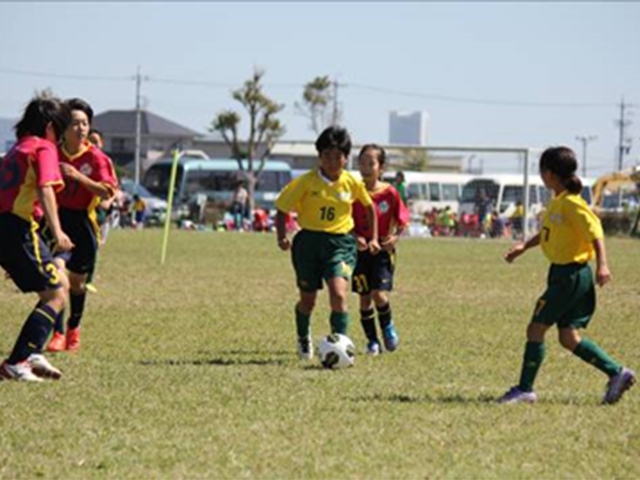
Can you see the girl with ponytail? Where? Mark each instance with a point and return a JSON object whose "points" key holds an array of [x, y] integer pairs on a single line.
{"points": [[570, 237]]}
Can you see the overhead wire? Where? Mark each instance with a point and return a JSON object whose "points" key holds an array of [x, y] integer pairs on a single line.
{"points": [[352, 85]]}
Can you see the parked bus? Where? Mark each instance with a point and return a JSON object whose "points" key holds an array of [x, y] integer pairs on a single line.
{"points": [[216, 179], [505, 190], [428, 190]]}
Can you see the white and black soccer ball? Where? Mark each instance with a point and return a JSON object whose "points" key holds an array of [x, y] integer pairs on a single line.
{"points": [[336, 351]]}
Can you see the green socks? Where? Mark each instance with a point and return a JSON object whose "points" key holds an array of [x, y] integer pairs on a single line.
{"points": [[302, 324], [339, 322], [533, 357], [593, 354]]}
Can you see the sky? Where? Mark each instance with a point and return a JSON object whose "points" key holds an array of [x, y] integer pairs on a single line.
{"points": [[489, 74]]}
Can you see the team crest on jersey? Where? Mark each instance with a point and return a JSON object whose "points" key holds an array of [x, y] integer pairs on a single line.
{"points": [[384, 206], [86, 169], [344, 196], [555, 218]]}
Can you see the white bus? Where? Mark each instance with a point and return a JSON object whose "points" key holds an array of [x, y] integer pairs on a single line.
{"points": [[428, 190], [504, 190], [215, 178]]}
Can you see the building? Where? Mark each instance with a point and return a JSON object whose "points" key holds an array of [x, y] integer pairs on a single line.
{"points": [[408, 128], [158, 136]]}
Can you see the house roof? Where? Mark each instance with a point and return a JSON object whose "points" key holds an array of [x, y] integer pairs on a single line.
{"points": [[123, 122]]}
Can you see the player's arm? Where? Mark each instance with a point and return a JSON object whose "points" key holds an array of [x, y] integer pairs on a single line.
{"points": [[100, 189], [401, 223], [281, 230], [372, 222], [517, 250], [47, 197], [603, 274]]}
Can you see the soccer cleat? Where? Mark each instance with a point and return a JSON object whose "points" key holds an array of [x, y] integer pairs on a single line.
{"points": [[91, 288], [58, 343], [20, 372], [515, 395], [73, 339], [391, 339], [618, 384], [41, 367], [305, 348], [373, 348]]}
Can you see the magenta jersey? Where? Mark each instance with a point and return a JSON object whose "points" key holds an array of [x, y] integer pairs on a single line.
{"points": [[30, 165], [390, 210], [93, 163]]}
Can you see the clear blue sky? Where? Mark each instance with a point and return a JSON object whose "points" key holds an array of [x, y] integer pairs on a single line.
{"points": [[537, 53]]}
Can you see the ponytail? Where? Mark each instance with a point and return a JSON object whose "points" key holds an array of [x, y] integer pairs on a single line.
{"points": [[573, 184]]}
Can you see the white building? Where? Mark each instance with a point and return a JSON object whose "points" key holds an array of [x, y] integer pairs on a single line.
{"points": [[408, 128]]}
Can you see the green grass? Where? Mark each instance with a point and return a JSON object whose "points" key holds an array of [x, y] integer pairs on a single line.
{"points": [[189, 371]]}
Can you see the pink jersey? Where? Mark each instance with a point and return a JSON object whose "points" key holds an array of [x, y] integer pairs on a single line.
{"points": [[31, 164], [390, 210], [93, 163]]}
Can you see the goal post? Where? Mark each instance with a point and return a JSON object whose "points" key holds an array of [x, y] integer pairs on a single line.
{"points": [[526, 154]]}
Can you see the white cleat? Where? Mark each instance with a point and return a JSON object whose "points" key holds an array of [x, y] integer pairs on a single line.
{"points": [[20, 372], [305, 348], [42, 368]]}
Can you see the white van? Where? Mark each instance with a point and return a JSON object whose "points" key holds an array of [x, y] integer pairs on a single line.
{"points": [[505, 190], [428, 190]]}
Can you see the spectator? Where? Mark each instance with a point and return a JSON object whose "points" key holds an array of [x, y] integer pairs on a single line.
{"points": [[239, 204], [401, 186]]}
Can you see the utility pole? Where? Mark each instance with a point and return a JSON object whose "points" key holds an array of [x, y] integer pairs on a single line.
{"points": [[585, 139], [622, 122], [334, 115], [138, 128]]}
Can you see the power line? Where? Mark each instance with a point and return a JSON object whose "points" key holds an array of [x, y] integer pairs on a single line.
{"points": [[356, 86], [12, 71]]}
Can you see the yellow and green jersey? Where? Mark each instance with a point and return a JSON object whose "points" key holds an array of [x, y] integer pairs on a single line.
{"points": [[323, 205], [569, 228]]}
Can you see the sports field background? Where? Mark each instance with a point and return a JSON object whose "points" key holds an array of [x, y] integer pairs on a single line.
{"points": [[189, 371]]}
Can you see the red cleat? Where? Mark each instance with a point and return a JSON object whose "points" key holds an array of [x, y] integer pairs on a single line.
{"points": [[58, 343], [73, 339]]}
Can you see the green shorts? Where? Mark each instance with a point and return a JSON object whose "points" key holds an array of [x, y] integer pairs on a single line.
{"points": [[321, 255], [570, 298]]}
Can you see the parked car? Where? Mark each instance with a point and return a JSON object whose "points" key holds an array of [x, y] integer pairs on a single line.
{"points": [[156, 211]]}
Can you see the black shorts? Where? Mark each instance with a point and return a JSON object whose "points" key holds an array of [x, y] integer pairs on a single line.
{"points": [[82, 230], [24, 255], [373, 272]]}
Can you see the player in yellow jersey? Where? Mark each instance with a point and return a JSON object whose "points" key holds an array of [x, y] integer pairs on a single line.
{"points": [[324, 248], [571, 235]]}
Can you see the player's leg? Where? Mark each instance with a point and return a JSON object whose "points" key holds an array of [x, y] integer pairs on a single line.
{"points": [[550, 308], [58, 342], [77, 300], [382, 283], [339, 319], [83, 232], [368, 322], [338, 261], [29, 263], [303, 311], [309, 281], [361, 285]]}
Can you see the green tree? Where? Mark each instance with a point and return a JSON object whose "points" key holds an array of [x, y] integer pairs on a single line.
{"points": [[264, 129], [319, 104]]}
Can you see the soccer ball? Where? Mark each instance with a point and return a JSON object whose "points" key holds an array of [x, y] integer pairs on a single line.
{"points": [[337, 351]]}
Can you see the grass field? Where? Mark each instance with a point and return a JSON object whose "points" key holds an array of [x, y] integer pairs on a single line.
{"points": [[189, 371]]}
